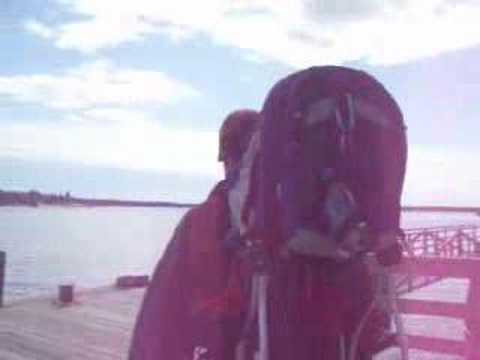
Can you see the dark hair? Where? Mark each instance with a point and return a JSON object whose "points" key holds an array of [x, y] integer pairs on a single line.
{"points": [[235, 133]]}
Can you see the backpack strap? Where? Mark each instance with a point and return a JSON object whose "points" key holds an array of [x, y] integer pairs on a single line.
{"points": [[346, 124]]}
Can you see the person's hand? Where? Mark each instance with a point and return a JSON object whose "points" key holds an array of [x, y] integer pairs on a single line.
{"points": [[354, 239], [388, 249], [312, 243]]}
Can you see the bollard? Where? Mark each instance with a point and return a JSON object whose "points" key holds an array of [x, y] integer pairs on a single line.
{"points": [[3, 261], [65, 294]]}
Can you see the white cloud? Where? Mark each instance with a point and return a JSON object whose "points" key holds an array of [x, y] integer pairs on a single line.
{"points": [[100, 83], [113, 115], [131, 140], [123, 139], [297, 33], [39, 29], [442, 175]]}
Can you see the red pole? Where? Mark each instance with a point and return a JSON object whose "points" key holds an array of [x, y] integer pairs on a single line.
{"points": [[3, 261], [473, 316]]}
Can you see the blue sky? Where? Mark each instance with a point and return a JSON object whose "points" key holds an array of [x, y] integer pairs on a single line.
{"points": [[124, 99]]}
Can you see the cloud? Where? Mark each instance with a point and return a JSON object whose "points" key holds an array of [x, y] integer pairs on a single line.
{"points": [[111, 116], [100, 83], [125, 139], [39, 29], [345, 9], [296, 33], [442, 175], [116, 138]]}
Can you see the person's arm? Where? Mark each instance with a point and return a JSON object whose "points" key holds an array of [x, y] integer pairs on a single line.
{"points": [[158, 331]]}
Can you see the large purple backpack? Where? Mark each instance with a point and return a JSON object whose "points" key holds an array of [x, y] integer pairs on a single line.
{"points": [[355, 130], [321, 127]]}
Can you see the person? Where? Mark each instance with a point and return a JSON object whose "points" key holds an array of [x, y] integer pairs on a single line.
{"points": [[191, 308], [333, 159]]}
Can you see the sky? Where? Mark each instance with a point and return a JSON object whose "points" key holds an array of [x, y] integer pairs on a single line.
{"points": [[124, 99]]}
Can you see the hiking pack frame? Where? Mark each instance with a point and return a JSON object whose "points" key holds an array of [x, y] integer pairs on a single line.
{"points": [[258, 312], [258, 309]]}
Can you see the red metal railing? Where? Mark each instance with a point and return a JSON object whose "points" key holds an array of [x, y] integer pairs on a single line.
{"points": [[445, 242]]}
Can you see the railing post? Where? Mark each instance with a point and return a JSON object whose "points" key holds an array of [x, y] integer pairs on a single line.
{"points": [[3, 260], [476, 243], [436, 245], [472, 320]]}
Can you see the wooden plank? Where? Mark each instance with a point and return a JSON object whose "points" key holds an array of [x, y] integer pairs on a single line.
{"points": [[95, 327], [437, 345], [434, 308], [443, 267], [411, 283]]}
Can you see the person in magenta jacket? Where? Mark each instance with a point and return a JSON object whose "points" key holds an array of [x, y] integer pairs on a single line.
{"points": [[192, 306]]}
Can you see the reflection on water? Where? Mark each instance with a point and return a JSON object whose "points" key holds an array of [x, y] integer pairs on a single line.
{"points": [[90, 247]]}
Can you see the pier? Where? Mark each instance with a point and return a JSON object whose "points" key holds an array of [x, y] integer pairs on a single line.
{"points": [[96, 326], [442, 263], [438, 285]]}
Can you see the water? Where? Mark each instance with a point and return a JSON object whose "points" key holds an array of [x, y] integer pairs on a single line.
{"points": [[412, 219], [90, 247]]}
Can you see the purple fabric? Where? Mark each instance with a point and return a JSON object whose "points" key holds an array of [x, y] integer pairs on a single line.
{"points": [[167, 327], [377, 167]]}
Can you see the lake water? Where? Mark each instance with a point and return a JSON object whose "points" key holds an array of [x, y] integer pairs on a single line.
{"points": [[90, 247]]}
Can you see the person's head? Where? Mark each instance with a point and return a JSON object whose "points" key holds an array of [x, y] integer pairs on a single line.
{"points": [[235, 134]]}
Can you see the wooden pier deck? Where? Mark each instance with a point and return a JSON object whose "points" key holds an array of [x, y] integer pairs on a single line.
{"points": [[96, 327]]}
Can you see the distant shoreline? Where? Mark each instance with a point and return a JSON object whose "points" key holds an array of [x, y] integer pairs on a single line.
{"points": [[127, 203], [462, 209], [34, 199]]}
